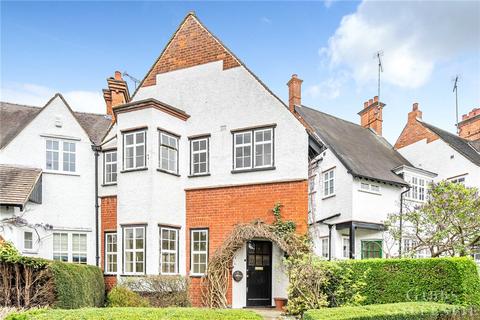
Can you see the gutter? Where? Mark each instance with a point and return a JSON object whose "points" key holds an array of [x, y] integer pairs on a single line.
{"points": [[96, 150]]}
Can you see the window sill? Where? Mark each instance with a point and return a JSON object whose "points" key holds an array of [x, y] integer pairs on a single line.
{"points": [[132, 170], [133, 275], [252, 170], [328, 197], [109, 274], [62, 173], [168, 172], [199, 175], [371, 192], [109, 184], [196, 275]]}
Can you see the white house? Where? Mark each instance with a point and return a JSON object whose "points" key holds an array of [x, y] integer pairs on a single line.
{"points": [[47, 171]]}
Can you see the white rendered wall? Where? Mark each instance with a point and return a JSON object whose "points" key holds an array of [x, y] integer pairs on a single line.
{"points": [[439, 157], [68, 199]]}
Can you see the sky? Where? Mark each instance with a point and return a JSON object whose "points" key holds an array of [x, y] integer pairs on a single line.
{"points": [[72, 47]]}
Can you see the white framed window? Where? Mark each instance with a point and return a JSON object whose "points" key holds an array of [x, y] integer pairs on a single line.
{"points": [[168, 155], [110, 159], [458, 180], [168, 250], [312, 194], [263, 148], [324, 242], [329, 182], [60, 246], [199, 156], [134, 150], [346, 247], [60, 155], [409, 246], [199, 251], [242, 150], [28, 240], [364, 186], [134, 250], [79, 248], [417, 190], [110, 252]]}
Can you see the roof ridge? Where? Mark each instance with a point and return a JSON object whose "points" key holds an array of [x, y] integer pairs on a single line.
{"points": [[448, 132], [92, 113], [21, 105]]}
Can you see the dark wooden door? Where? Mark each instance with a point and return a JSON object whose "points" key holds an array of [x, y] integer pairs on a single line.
{"points": [[259, 273]]}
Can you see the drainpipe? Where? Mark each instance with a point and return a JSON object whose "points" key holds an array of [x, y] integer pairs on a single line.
{"points": [[401, 220], [96, 150]]}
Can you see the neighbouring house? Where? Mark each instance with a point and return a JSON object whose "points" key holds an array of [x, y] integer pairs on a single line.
{"points": [[47, 179], [452, 157]]}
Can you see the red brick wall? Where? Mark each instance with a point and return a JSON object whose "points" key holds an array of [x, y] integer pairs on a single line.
{"points": [[414, 130], [220, 209], [108, 220], [192, 45], [470, 125]]}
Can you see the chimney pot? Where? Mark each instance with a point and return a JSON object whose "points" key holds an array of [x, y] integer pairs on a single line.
{"points": [[365, 104], [415, 106], [375, 99], [372, 118], [118, 75], [370, 101]]}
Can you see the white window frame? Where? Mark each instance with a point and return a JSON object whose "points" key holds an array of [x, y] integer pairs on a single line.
{"points": [[169, 251], [134, 146], [109, 174], [79, 254], [198, 252], [418, 188], [458, 179], [242, 146], [25, 241], [262, 143], [328, 182], [200, 151], [111, 238], [370, 187], [346, 247], [134, 250], [62, 154], [171, 150], [61, 252], [312, 193], [324, 241]]}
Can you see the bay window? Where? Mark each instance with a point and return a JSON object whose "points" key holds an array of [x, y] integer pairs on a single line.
{"points": [[134, 150], [168, 152], [168, 250]]}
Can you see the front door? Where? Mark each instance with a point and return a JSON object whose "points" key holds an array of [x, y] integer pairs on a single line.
{"points": [[259, 273]]}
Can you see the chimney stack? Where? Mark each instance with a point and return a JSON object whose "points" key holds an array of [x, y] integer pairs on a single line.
{"points": [[414, 114], [469, 127], [116, 94], [371, 115], [294, 92]]}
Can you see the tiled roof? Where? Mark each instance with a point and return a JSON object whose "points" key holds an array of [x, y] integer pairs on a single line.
{"points": [[364, 153], [17, 183], [15, 117], [469, 149]]}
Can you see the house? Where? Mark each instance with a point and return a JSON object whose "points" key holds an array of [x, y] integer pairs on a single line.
{"points": [[454, 158], [47, 179], [201, 146]]}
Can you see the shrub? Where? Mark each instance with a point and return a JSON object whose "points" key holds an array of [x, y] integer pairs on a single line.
{"points": [[77, 286], [162, 291], [445, 280], [316, 283], [24, 282], [124, 297], [136, 313], [394, 311]]}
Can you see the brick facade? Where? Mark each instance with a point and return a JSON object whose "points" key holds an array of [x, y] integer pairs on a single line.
{"points": [[414, 130], [371, 115], [220, 209], [470, 125], [108, 220], [190, 46]]}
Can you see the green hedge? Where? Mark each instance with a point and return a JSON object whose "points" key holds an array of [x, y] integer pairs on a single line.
{"points": [[77, 286], [135, 314], [445, 280], [393, 311]]}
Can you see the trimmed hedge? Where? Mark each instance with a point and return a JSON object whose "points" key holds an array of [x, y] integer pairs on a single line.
{"points": [[393, 311], [77, 286], [445, 280], [135, 314], [124, 297]]}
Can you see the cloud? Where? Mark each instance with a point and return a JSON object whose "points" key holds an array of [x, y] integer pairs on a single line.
{"points": [[329, 88], [415, 36], [37, 95], [266, 20]]}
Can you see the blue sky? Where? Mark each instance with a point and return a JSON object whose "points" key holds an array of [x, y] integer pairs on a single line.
{"points": [[72, 47]]}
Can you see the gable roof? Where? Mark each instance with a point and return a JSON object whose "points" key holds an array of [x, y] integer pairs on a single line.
{"points": [[361, 151], [222, 53], [17, 184], [469, 149], [15, 117]]}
